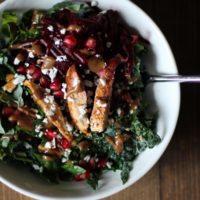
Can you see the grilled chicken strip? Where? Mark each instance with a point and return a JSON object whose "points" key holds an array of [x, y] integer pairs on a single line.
{"points": [[49, 107], [99, 116], [77, 99]]}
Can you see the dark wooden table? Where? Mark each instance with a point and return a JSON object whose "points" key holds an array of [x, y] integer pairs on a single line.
{"points": [[177, 175]]}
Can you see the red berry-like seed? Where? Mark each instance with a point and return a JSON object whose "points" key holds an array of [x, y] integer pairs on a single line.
{"points": [[31, 69], [21, 70], [7, 111], [102, 163], [92, 163], [135, 38], [50, 134], [83, 163], [65, 144], [83, 176], [90, 43], [70, 41], [55, 86], [58, 94], [37, 74], [44, 82]]}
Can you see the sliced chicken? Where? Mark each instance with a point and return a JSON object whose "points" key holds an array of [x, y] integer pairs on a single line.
{"points": [[99, 116], [77, 99], [49, 107], [9, 86]]}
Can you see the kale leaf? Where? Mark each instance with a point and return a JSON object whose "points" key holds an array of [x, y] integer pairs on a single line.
{"points": [[80, 8]]}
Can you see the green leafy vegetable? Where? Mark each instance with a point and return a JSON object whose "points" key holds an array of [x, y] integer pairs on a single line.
{"points": [[4, 141], [79, 8], [73, 169], [2, 130], [17, 95], [8, 29]]}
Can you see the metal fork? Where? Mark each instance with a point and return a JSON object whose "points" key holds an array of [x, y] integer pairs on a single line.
{"points": [[172, 78]]}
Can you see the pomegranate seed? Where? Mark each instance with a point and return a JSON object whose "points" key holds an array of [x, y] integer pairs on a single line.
{"points": [[21, 70], [92, 163], [44, 82], [7, 111], [31, 69], [135, 39], [55, 86], [83, 163], [65, 144], [58, 94], [70, 41], [37, 74], [102, 163], [83, 176], [50, 134], [91, 43]]}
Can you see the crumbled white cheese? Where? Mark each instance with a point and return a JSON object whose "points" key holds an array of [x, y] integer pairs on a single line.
{"points": [[102, 81], [38, 116], [108, 164], [94, 3], [108, 44], [53, 143], [76, 81], [88, 83], [61, 58], [64, 160], [50, 72], [97, 55], [63, 31], [47, 145], [37, 168], [45, 120], [40, 134], [69, 127], [27, 145], [38, 128], [18, 79], [100, 104], [45, 71], [50, 28], [87, 158], [47, 90], [16, 61], [28, 76], [30, 54], [57, 42], [64, 87], [119, 111], [66, 153], [26, 64], [50, 113], [49, 99]]}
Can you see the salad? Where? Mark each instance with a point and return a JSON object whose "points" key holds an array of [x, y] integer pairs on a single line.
{"points": [[71, 93]]}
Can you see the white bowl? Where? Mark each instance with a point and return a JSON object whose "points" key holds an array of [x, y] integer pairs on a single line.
{"points": [[165, 97]]}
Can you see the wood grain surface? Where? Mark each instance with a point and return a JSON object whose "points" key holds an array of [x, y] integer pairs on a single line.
{"points": [[177, 175]]}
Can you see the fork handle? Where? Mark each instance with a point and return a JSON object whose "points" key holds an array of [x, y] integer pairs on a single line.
{"points": [[174, 78]]}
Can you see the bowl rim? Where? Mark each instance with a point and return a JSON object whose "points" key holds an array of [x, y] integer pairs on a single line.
{"points": [[120, 187]]}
